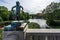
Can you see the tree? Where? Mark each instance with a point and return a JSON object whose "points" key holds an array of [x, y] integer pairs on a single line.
{"points": [[51, 7], [10, 15], [52, 12], [4, 14], [24, 16], [1, 19], [57, 14], [50, 18]]}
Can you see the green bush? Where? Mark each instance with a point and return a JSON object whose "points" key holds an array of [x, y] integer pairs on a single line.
{"points": [[50, 22], [1, 19], [5, 23], [0, 34], [33, 26]]}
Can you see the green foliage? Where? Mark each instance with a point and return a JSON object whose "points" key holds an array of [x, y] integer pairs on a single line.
{"points": [[57, 14], [10, 15], [52, 11], [4, 14], [55, 27], [53, 16], [1, 19], [50, 18], [51, 7], [30, 17], [33, 26], [24, 16], [56, 24], [1, 34]]}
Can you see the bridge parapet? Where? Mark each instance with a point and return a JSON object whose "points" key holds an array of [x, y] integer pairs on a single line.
{"points": [[32, 34], [43, 34]]}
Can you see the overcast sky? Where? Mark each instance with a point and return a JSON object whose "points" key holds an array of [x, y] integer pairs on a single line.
{"points": [[31, 6]]}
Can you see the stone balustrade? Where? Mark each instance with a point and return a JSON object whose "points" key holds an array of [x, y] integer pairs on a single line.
{"points": [[43, 34], [32, 34]]}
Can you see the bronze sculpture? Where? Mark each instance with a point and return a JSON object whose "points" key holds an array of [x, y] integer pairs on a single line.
{"points": [[18, 9]]}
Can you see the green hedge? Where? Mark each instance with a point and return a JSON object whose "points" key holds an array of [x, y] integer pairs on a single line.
{"points": [[33, 26]]}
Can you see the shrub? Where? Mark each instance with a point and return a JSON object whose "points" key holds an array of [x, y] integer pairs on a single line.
{"points": [[1, 34], [33, 25], [1, 19]]}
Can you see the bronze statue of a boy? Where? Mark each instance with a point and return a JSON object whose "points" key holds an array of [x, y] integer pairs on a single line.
{"points": [[18, 9]]}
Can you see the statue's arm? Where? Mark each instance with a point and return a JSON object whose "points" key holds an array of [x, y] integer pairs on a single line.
{"points": [[13, 8], [21, 7], [12, 11]]}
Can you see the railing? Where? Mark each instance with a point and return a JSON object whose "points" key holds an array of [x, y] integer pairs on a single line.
{"points": [[43, 34], [32, 34]]}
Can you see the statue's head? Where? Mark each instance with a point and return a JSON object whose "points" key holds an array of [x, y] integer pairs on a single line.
{"points": [[17, 3]]}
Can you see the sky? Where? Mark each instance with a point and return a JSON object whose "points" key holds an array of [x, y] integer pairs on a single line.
{"points": [[31, 6]]}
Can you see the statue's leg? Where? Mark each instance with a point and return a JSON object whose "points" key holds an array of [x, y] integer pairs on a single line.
{"points": [[18, 16]]}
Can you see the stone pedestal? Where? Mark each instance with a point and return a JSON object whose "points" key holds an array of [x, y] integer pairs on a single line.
{"points": [[13, 35]]}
